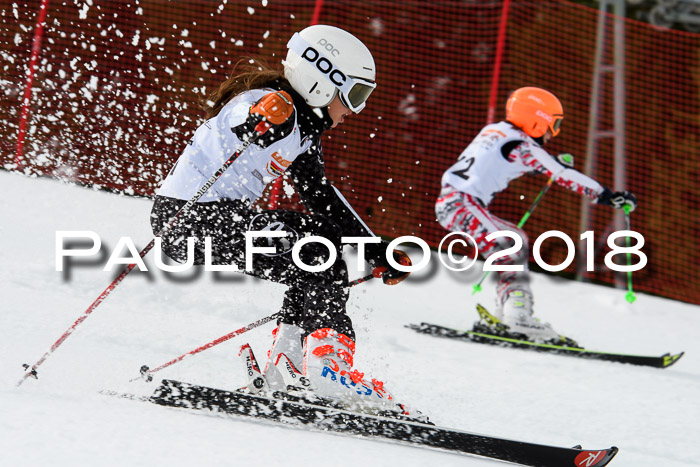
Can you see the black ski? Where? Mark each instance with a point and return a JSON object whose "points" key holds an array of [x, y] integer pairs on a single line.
{"points": [[294, 411], [663, 361]]}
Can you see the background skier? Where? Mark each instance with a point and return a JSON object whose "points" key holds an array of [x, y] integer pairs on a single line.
{"points": [[500, 153]]}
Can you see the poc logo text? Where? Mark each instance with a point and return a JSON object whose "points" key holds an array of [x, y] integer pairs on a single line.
{"points": [[329, 47], [324, 65]]}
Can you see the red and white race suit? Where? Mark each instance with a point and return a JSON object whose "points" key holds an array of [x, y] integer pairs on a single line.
{"points": [[499, 154]]}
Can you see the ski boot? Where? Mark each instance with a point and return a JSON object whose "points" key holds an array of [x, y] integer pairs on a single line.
{"points": [[328, 358], [519, 317], [287, 341]]}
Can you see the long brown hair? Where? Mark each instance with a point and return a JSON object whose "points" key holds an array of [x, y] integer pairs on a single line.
{"points": [[248, 73]]}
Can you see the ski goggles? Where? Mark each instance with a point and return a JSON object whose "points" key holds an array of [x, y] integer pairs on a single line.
{"points": [[353, 91], [556, 126]]}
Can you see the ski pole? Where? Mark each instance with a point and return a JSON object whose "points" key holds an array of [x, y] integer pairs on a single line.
{"points": [[629, 296], [567, 160], [477, 287], [376, 273], [147, 373], [278, 102]]}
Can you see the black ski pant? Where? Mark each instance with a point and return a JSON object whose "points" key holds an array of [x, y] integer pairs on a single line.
{"points": [[313, 301]]}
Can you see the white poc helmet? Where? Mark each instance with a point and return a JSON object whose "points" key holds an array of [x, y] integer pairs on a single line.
{"points": [[325, 60]]}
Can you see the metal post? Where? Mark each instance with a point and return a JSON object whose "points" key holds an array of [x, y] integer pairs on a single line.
{"points": [[500, 46], [620, 169], [595, 133]]}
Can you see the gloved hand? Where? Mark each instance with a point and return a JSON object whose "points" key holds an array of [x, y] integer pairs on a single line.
{"points": [[270, 119], [376, 256], [618, 199]]}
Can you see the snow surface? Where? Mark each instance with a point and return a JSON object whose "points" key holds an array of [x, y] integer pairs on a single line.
{"points": [[652, 415]]}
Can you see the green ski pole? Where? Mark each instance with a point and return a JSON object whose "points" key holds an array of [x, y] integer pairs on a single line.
{"points": [[477, 287], [566, 160]]}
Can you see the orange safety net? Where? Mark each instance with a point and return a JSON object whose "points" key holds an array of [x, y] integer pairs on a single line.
{"points": [[117, 90]]}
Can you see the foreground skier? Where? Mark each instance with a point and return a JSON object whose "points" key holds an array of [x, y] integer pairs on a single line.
{"points": [[501, 153], [316, 333]]}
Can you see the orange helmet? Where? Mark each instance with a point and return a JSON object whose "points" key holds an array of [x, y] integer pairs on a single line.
{"points": [[535, 111]]}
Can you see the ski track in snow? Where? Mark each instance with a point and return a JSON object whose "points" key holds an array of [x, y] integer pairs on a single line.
{"points": [[61, 419]]}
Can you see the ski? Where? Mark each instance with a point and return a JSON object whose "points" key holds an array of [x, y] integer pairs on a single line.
{"points": [[663, 361], [291, 410]]}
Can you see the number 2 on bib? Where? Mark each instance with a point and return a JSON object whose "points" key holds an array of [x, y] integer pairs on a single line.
{"points": [[462, 173]]}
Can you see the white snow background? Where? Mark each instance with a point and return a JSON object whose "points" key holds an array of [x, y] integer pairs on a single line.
{"points": [[61, 419]]}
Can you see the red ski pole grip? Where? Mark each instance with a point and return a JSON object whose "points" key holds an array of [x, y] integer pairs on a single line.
{"points": [[379, 271]]}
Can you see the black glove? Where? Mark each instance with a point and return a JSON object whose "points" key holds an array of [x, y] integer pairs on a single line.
{"points": [[375, 255], [273, 110], [618, 199]]}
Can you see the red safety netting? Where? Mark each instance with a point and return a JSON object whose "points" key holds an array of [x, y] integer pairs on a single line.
{"points": [[116, 92]]}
